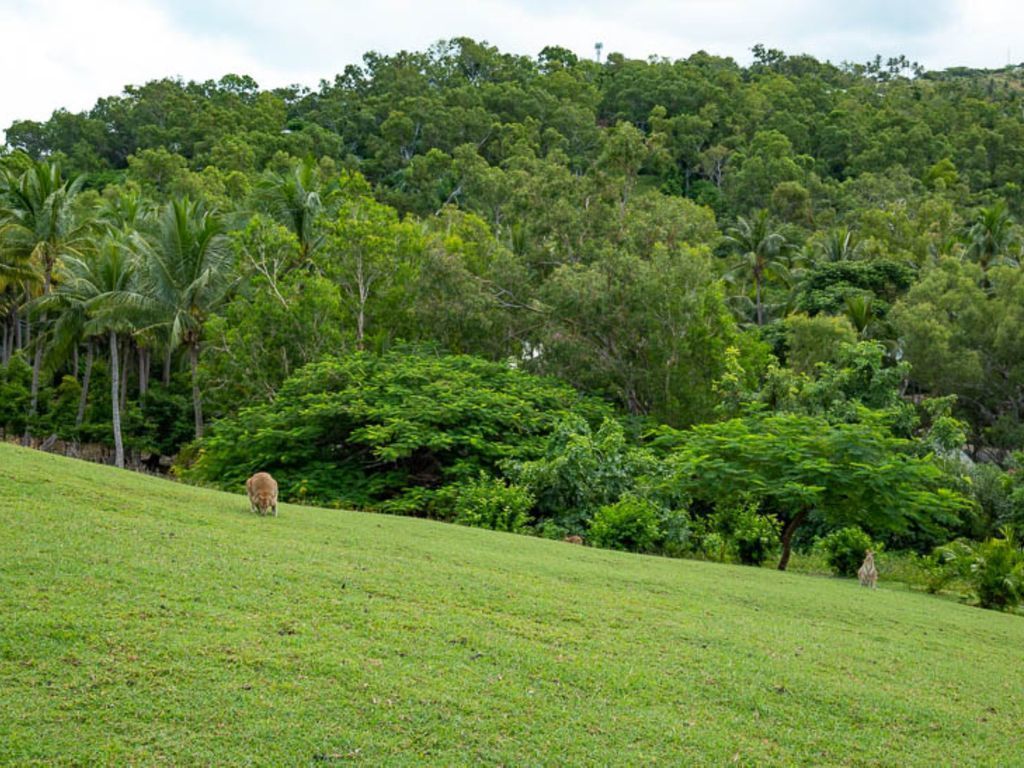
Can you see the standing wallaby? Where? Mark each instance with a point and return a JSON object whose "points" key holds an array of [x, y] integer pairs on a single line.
{"points": [[262, 493], [868, 574]]}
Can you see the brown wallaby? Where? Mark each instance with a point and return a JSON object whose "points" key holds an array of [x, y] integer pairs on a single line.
{"points": [[262, 493], [868, 574], [573, 539]]}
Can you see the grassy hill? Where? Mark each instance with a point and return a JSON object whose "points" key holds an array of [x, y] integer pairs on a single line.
{"points": [[148, 622]]}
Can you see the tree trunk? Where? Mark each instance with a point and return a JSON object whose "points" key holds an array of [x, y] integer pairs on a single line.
{"points": [[197, 401], [84, 399], [37, 362], [167, 366], [114, 400], [126, 369], [760, 308], [787, 537], [74, 356], [143, 371]]}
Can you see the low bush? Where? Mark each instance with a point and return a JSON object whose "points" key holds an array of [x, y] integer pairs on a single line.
{"points": [[751, 536], [997, 573], [489, 503], [630, 524], [844, 550]]}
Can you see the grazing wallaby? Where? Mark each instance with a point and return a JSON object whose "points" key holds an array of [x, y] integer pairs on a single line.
{"points": [[868, 574], [573, 539], [262, 493]]}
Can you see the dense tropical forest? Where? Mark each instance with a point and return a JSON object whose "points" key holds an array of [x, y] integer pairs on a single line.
{"points": [[673, 306]]}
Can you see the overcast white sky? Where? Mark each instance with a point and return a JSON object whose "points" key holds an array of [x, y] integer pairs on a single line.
{"points": [[67, 53]]}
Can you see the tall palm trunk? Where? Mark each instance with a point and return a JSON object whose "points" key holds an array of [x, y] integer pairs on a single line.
{"points": [[197, 400], [126, 372], [37, 362], [115, 401], [143, 371], [86, 376], [760, 306]]}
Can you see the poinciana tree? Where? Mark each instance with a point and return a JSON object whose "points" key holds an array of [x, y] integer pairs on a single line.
{"points": [[187, 271]]}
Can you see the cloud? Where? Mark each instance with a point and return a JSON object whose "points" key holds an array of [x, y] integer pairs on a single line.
{"points": [[68, 53]]}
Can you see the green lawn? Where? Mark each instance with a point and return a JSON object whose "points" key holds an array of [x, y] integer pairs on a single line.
{"points": [[146, 622]]}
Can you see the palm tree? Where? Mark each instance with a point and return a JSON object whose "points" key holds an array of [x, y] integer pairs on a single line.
{"points": [[69, 302], [295, 199], [126, 213], [94, 300], [760, 245], [187, 271], [991, 238], [37, 227], [841, 244]]}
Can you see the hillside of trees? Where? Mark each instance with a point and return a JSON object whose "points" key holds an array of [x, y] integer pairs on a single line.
{"points": [[653, 302]]}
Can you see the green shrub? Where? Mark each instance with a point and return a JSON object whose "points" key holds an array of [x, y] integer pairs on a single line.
{"points": [[997, 573], [489, 503], [581, 470], [745, 533], [946, 564], [387, 431], [676, 532], [15, 394], [844, 550], [756, 536], [630, 524]]}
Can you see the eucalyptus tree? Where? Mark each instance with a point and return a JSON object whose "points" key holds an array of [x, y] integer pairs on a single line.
{"points": [[39, 226], [187, 271], [760, 245]]}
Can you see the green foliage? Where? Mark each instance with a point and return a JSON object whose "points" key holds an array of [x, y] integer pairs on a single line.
{"points": [[814, 340], [15, 394], [826, 286], [961, 332], [997, 573], [381, 431], [845, 549], [946, 564], [264, 335], [487, 502], [581, 470], [846, 473], [162, 420], [754, 536], [650, 333], [631, 523]]}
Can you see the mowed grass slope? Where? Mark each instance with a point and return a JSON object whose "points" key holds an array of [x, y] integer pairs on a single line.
{"points": [[146, 622]]}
